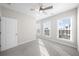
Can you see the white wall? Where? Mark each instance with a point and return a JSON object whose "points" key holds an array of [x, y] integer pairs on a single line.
{"points": [[0, 10], [78, 28], [0, 28], [26, 26], [54, 19]]}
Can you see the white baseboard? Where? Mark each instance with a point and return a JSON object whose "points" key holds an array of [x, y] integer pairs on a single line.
{"points": [[18, 45], [25, 42]]}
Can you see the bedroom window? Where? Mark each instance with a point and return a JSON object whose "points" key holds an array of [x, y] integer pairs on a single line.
{"points": [[38, 28], [47, 28], [64, 28]]}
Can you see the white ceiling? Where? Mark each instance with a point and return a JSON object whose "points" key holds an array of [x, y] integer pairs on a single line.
{"points": [[25, 8]]}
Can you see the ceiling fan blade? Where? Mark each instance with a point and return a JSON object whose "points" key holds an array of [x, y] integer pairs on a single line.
{"points": [[46, 8]]}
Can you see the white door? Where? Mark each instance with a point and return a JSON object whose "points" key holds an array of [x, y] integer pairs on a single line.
{"points": [[3, 45], [8, 33]]}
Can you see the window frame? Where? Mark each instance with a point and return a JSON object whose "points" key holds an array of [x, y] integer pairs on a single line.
{"points": [[71, 19], [49, 29]]}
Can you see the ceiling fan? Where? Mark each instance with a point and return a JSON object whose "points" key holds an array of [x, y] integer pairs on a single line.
{"points": [[45, 8], [42, 8]]}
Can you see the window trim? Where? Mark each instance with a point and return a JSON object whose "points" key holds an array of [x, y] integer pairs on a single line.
{"points": [[49, 29], [71, 40]]}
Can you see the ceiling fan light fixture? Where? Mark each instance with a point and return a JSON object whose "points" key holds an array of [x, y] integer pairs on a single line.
{"points": [[43, 8]]}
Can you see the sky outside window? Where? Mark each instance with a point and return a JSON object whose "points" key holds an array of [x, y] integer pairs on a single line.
{"points": [[64, 22]]}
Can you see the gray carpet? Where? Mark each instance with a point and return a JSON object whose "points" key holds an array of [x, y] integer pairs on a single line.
{"points": [[41, 47]]}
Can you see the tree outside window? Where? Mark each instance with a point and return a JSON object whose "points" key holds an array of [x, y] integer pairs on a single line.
{"points": [[64, 28]]}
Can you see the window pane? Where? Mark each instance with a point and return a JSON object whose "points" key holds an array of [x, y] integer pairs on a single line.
{"points": [[46, 28], [38, 28], [64, 28]]}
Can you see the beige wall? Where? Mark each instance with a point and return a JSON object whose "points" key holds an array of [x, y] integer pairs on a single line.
{"points": [[54, 19], [25, 26]]}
